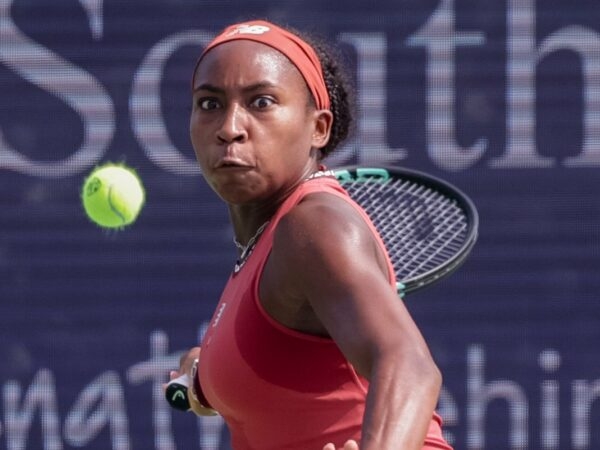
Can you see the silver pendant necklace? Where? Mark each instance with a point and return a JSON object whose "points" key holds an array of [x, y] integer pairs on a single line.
{"points": [[246, 250]]}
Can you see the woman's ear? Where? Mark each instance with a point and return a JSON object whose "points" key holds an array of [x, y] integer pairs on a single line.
{"points": [[323, 123]]}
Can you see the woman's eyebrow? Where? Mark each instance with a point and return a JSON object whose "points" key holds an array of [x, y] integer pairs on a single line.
{"points": [[250, 88], [260, 86], [210, 88]]}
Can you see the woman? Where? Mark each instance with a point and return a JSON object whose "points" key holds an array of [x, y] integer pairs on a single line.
{"points": [[309, 347]]}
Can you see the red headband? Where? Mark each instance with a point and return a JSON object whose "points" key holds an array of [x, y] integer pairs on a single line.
{"points": [[301, 54]]}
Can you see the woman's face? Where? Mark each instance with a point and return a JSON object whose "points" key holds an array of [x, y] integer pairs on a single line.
{"points": [[253, 127]]}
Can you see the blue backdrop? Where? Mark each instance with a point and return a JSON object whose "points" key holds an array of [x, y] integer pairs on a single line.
{"points": [[501, 98]]}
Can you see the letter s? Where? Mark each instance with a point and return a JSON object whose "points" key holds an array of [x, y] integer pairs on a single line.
{"points": [[47, 70]]}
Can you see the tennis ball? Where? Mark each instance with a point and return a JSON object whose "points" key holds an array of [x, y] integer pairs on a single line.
{"points": [[113, 195]]}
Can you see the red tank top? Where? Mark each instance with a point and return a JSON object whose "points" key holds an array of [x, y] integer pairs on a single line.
{"points": [[277, 388]]}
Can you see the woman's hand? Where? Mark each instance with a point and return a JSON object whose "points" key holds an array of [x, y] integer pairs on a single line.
{"points": [[186, 362], [349, 445]]}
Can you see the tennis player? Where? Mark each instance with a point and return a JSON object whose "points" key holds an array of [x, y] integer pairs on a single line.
{"points": [[309, 347]]}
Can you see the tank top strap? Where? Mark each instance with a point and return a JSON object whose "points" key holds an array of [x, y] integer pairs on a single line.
{"points": [[319, 184]]}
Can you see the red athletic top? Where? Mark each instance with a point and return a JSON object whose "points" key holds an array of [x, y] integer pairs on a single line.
{"points": [[277, 388]]}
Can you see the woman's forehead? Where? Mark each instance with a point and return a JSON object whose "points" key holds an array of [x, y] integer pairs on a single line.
{"points": [[248, 60]]}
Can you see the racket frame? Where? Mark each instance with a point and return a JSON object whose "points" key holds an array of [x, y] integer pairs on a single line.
{"points": [[384, 174]]}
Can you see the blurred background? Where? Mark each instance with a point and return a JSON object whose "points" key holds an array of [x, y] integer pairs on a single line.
{"points": [[501, 98]]}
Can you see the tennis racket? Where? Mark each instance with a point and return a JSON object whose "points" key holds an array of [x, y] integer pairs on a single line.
{"points": [[427, 225]]}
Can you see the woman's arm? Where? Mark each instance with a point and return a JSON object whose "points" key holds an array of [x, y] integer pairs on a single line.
{"points": [[329, 257]]}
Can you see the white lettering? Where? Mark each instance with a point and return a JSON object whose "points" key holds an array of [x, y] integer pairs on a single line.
{"points": [[84, 423], [481, 394], [521, 151], [586, 43], [93, 9], [371, 144], [145, 106], [219, 314], [523, 58], [101, 406], [440, 37], [448, 409], [40, 395], [584, 395], [83, 93], [549, 361], [156, 370]]}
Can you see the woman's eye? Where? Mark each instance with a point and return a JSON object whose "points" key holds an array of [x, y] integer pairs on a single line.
{"points": [[262, 102], [208, 104]]}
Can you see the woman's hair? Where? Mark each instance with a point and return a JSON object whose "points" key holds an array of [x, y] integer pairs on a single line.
{"points": [[338, 87]]}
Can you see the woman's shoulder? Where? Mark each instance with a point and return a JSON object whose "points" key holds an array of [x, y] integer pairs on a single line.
{"points": [[321, 211], [322, 223]]}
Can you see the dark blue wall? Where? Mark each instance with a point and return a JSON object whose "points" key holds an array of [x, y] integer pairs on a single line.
{"points": [[501, 98]]}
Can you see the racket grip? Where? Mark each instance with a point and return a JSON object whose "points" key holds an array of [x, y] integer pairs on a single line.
{"points": [[176, 392]]}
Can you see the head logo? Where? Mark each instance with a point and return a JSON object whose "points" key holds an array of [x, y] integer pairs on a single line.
{"points": [[249, 29], [179, 395]]}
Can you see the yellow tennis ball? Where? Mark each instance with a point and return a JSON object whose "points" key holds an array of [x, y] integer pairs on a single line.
{"points": [[113, 196]]}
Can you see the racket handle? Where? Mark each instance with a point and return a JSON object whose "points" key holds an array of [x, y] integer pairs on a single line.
{"points": [[176, 392]]}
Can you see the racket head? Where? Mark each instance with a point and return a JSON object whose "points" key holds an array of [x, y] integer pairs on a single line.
{"points": [[428, 225]]}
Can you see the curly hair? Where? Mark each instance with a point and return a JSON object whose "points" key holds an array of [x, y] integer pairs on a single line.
{"points": [[340, 92], [340, 95]]}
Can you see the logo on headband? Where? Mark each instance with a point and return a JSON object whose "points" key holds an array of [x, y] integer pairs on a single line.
{"points": [[249, 29]]}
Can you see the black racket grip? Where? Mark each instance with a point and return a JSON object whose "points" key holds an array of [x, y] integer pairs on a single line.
{"points": [[176, 392]]}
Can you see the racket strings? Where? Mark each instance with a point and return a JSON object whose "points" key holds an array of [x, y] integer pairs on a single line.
{"points": [[431, 231]]}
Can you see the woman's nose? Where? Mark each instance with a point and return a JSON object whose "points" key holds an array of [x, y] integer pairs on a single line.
{"points": [[233, 127]]}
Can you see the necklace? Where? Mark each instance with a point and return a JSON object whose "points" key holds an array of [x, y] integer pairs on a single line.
{"points": [[246, 250], [320, 173]]}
